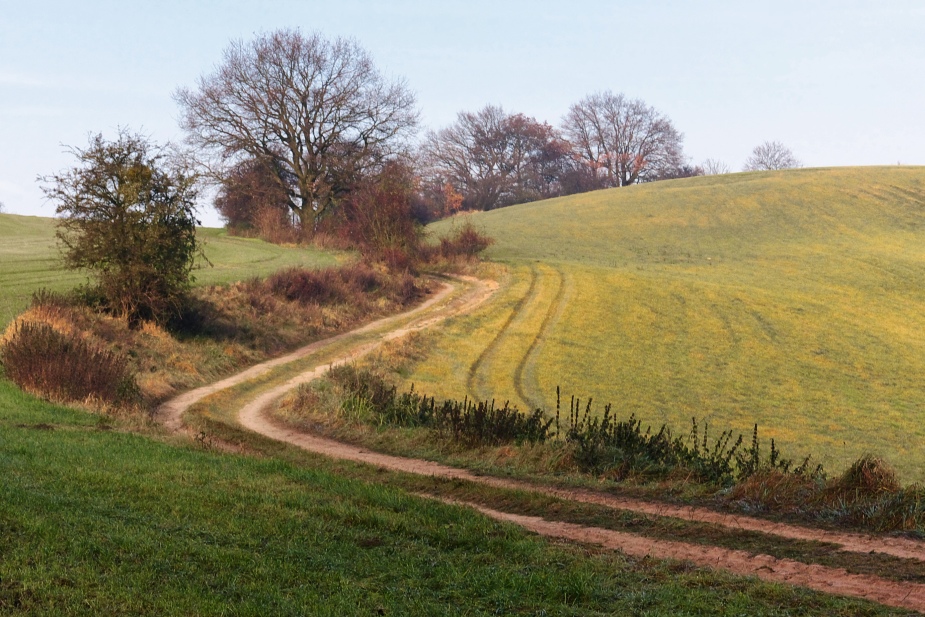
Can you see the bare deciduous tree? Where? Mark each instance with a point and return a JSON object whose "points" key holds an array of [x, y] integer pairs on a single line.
{"points": [[771, 155], [317, 111], [496, 159], [714, 167], [623, 141]]}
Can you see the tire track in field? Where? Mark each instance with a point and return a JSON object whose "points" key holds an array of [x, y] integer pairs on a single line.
{"points": [[827, 579], [556, 306], [496, 341]]}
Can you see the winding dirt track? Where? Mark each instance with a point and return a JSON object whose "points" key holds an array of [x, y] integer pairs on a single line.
{"points": [[829, 580]]}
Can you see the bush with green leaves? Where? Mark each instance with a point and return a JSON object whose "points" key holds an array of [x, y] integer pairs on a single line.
{"points": [[126, 215]]}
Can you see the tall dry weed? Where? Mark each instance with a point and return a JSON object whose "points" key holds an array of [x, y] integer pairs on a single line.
{"points": [[63, 367]]}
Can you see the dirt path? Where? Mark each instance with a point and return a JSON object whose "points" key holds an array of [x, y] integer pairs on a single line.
{"points": [[830, 580], [170, 413]]}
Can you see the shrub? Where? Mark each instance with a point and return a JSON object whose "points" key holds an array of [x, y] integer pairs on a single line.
{"points": [[253, 203], [355, 284], [62, 367], [466, 241], [468, 422], [126, 215], [309, 286], [376, 216], [481, 423], [605, 445]]}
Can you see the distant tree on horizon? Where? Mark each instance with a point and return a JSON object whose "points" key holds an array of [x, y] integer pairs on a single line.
{"points": [[714, 167], [494, 159], [771, 155]]}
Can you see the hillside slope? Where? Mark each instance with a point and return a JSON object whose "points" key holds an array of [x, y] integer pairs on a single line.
{"points": [[792, 299], [29, 260]]}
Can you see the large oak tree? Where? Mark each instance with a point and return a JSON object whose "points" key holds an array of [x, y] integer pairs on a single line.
{"points": [[316, 112], [622, 141]]}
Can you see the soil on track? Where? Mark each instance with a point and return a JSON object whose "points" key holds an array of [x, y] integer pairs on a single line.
{"points": [[821, 578]]}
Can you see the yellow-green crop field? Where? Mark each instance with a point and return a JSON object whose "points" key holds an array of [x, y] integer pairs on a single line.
{"points": [[795, 300], [30, 260]]}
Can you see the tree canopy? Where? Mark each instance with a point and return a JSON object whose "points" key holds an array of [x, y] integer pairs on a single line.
{"points": [[496, 159], [622, 140], [316, 112]]}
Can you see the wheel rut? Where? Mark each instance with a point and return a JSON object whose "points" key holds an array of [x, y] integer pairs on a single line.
{"points": [[554, 309], [516, 311], [253, 416]]}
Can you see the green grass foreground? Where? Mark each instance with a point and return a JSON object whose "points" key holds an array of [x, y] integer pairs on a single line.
{"points": [[98, 521], [29, 261], [792, 299]]}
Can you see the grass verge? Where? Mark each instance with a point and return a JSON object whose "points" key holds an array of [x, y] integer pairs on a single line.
{"points": [[99, 521]]}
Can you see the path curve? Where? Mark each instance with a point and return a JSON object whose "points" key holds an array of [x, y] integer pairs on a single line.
{"points": [[253, 417], [170, 413]]}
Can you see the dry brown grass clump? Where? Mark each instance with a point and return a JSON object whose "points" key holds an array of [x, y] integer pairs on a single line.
{"points": [[868, 477], [867, 495], [61, 366]]}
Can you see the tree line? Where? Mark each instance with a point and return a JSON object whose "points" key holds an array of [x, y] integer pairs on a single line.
{"points": [[303, 135], [292, 124]]}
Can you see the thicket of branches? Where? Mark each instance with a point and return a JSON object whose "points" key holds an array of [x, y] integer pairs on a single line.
{"points": [[297, 127]]}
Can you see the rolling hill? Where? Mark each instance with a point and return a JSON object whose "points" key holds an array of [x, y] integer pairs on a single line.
{"points": [[795, 300]]}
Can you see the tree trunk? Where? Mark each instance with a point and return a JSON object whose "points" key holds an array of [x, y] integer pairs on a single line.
{"points": [[307, 220]]}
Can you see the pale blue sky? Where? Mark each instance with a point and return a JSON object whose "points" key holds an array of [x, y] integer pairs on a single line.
{"points": [[840, 82]]}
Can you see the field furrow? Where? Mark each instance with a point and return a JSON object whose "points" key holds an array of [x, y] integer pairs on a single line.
{"points": [[525, 379], [489, 367]]}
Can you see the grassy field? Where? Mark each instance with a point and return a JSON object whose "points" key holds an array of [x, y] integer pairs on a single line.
{"points": [[793, 299], [29, 260], [98, 521]]}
